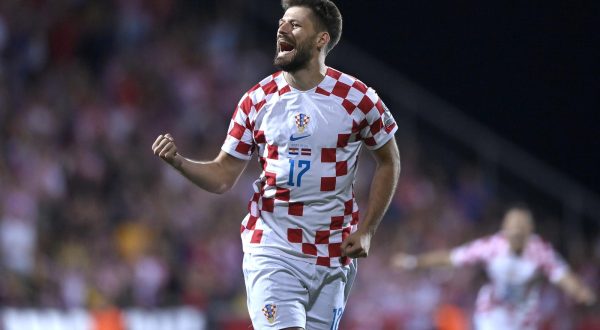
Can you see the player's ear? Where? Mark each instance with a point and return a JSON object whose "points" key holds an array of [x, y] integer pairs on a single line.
{"points": [[323, 40]]}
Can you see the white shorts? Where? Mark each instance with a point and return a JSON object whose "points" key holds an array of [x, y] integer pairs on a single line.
{"points": [[284, 292], [505, 319]]}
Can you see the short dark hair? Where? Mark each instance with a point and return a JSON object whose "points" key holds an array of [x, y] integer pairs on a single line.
{"points": [[328, 16]]}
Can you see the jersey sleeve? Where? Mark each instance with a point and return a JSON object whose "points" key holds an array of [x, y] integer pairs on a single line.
{"points": [[240, 141], [552, 264], [380, 124], [474, 252]]}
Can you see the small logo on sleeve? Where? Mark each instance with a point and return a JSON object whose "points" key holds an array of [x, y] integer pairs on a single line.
{"points": [[270, 311], [388, 119]]}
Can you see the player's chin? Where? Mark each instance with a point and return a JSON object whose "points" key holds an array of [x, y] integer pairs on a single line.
{"points": [[286, 54]]}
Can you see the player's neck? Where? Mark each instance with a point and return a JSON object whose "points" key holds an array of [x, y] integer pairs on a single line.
{"points": [[308, 77], [517, 250]]}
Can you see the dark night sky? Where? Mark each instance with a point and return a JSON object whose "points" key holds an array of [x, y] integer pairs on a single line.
{"points": [[530, 71]]}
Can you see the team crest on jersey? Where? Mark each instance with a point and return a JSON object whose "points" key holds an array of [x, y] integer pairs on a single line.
{"points": [[302, 121], [270, 310]]}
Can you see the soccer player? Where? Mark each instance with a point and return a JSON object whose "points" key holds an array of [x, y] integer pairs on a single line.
{"points": [[306, 124], [515, 259]]}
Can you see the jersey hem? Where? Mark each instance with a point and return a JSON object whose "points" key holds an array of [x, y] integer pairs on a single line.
{"points": [[292, 254]]}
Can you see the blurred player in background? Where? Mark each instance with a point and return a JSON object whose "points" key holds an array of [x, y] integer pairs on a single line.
{"points": [[515, 259], [307, 124]]}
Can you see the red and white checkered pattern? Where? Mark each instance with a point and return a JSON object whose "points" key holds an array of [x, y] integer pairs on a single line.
{"points": [[303, 203], [512, 277]]}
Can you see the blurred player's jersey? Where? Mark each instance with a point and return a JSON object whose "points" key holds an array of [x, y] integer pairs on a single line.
{"points": [[307, 143], [511, 299]]}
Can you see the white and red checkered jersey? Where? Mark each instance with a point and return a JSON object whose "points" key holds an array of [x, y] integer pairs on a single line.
{"points": [[512, 277], [307, 143]]}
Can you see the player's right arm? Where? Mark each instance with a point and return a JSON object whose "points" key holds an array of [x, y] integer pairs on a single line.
{"points": [[216, 176], [470, 253], [422, 261]]}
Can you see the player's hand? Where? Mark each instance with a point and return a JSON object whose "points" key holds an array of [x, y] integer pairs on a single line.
{"points": [[357, 245], [165, 148], [585, 296], [404, 261]]}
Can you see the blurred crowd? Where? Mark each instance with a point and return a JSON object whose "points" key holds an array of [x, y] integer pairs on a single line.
{"points": [[89, 217]]}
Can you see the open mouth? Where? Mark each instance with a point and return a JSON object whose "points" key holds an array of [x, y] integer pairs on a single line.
{"points": [[285, 47]]}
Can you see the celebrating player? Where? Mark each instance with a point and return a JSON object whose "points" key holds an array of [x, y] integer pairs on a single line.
{"points": [[307, 124], [514, 259]]}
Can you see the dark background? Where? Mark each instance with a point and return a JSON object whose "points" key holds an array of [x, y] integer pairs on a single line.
{"points": [[529, 71]]}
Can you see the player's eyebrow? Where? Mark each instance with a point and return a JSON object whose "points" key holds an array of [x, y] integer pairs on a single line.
{"points": [[289, 20]]}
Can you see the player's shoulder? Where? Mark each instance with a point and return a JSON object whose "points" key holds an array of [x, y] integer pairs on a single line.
{"points": [[496, 240], [268, 85], [340, 80], [350, 91], [539, 245], [259, 94]]}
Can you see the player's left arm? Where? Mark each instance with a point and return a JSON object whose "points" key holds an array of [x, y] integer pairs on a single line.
{"points": [[559, 273], [382, 189], [575, 288]]}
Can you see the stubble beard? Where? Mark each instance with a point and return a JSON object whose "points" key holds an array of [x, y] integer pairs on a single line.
{"points": [[299, 60]]}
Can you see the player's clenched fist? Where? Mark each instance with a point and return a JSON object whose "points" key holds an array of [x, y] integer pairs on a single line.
{"points": [[585, 296], [356, 245], [165, 148]]}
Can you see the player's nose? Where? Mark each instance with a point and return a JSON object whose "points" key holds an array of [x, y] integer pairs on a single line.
{"points": [[284, 28]]}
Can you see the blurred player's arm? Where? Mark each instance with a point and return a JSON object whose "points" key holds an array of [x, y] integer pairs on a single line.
{"points": [[382, 189], [470, 253], [422, 261], [558, 272], [216, 176], [574, 287]]}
